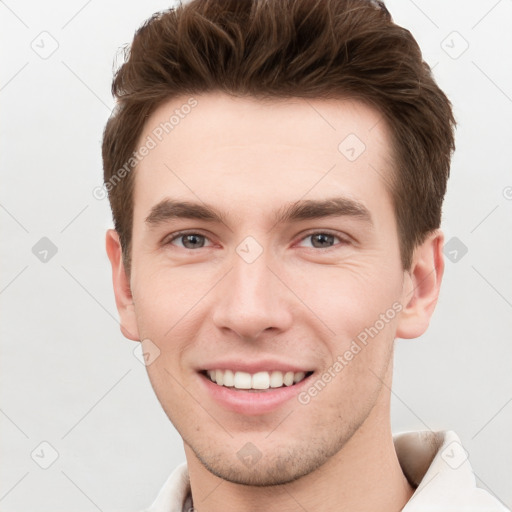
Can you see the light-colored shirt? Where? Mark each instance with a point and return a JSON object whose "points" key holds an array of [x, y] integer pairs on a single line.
{"points": [[435, 464]]}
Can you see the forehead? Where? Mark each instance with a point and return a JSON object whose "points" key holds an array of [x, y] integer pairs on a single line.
{"points": [[218, 147]]}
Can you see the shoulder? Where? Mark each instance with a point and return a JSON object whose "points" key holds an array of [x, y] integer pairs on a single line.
{"points": [[174, 493], [438, 466]]}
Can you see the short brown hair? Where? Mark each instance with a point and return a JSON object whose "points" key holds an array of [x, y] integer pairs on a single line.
{"points": [[283, 49]]}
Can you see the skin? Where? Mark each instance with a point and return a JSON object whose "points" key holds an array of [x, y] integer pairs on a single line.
{"points": [[298, 301]]}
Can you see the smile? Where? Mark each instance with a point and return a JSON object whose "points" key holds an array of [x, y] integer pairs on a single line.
{"points": [[253, 387], [259, 381]]}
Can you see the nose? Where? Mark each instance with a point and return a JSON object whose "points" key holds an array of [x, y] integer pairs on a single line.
{"points": [[252, 300]]}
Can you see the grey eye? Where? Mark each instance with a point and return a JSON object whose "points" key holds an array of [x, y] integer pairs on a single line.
{"points": [[323, 239], [190, 240]]}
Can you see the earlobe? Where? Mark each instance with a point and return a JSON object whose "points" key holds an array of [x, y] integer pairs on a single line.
{"points": [[421, 287], [122, 291]]}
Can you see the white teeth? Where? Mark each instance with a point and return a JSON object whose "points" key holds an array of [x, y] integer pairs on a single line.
{"points": [[288, 379], [229, 378], [242, 380], [259, 380], [276, 379], [297, 377]]}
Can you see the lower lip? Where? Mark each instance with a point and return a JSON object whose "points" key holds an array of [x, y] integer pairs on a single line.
{"points": [[252, 403]]}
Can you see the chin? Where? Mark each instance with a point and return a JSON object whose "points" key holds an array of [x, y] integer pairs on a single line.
{"points": [[271, 467], [262, 474]]}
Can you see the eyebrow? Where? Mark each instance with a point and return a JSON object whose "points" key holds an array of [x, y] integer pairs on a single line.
{"points": [[305, 209]]}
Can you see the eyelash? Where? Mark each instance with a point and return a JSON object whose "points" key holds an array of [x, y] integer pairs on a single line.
{"points": [[343, 241]]}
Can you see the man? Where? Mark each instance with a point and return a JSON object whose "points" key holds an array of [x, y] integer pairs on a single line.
{"points": [[276, 171]]}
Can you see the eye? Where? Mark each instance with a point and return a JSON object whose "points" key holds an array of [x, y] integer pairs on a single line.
{"points": [[190, 240], [323, 240], [194, 240]]}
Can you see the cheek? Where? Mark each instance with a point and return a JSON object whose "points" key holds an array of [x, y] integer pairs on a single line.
{"points": [[349, 384], [170, 307], [348, 298], [165, 299], [360, 306]]}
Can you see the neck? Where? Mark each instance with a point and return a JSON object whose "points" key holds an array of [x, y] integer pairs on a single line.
{"points": [[364, 475]]}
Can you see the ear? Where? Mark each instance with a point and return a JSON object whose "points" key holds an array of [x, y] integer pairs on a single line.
{"points": [[122, 292], [421, 287]]}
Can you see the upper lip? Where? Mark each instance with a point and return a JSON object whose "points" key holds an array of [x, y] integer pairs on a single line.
{"points": [[262, 365]]}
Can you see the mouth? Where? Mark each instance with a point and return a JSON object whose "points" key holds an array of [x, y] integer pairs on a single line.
{"points": [[249, 387], [262, 381]]}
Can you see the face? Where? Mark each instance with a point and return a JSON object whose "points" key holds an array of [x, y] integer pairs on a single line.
{"points": [[265, 256]]}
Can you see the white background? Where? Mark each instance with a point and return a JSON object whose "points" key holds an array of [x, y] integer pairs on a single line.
{"points": [[68, 376]]}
